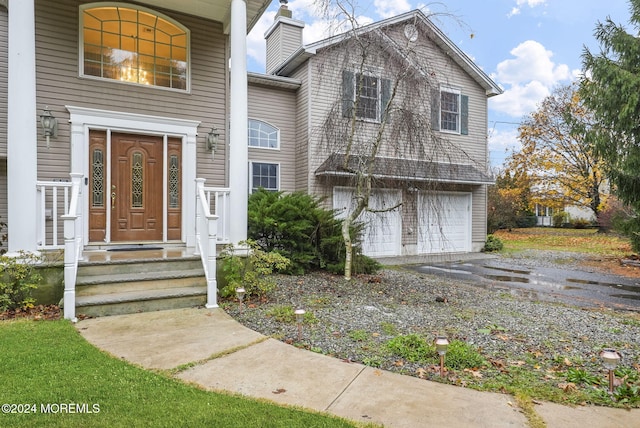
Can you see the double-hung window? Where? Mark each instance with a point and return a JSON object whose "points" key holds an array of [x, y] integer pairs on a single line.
{"points": [[367, 93], [450, 111], [265, 175]]}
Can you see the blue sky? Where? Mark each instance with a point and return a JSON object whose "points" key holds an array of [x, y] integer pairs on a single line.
{"points": [[527, 46]]}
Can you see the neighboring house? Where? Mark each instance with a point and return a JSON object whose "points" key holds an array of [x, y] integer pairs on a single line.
{"points": [[555, 203], [150, 96], [544, 214], [441, 206]]}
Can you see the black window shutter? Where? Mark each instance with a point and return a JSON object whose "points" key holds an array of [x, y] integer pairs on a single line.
{"points": [[435, 109], [385, 97], [464, 115], [348, 90]]}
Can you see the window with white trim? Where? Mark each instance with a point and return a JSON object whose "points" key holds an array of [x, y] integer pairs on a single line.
{"points": [[450, 110], [367, 92], [265, 175], [133, 44], [263, 135]]}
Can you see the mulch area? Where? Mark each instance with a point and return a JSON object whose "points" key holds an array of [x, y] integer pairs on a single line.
{"points": [[628, 266], [37, 313]]}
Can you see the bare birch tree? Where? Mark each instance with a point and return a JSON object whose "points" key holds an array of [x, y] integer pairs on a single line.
{"points": [[382, 130]]}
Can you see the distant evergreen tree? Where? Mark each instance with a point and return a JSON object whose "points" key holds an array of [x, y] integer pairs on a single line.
{"points": [[611, 89]]}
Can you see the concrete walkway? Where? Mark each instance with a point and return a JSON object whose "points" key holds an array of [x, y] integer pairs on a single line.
{"points": [[224, 355]]}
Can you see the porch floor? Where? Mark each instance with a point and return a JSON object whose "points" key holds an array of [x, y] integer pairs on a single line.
{"points": [[129, 254]]}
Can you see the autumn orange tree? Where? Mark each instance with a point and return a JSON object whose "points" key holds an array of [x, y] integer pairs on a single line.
{"points": [[508, 201], [557, 155]]}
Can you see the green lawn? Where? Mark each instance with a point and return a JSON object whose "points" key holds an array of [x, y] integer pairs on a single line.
{"points": [[579, 240], [49, 365]]}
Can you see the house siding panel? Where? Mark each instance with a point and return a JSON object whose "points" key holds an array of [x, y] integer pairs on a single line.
{"points": [[3, 200], [276, 107], [59, 84], [283, 40], [302, 129], [4, 36], [273, 58]]}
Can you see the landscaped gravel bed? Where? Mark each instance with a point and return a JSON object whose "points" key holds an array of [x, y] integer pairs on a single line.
{"points": [[353, 320]]}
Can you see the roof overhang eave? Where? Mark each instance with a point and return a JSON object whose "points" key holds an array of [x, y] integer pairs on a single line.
{"points": [[344, 174]]}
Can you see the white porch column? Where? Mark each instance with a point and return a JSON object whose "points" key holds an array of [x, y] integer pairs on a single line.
{"points": [[238, 150], [22, 128], [189, 193]]}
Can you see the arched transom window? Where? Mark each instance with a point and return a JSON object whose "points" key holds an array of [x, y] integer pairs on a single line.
{"points": [[263, 135], [134, 45]]}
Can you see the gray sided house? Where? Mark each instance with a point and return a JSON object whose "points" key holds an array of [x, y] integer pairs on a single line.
{"points": [[431, 170], [130, 123], [123, 123]]}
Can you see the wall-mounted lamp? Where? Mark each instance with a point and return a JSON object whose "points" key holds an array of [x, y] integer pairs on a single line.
{"points": [[49, 124], [212, 140]]}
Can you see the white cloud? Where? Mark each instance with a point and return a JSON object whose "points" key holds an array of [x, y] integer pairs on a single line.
{"points": [[531, 3], [514, 11], [527, 78], [517, 9], [255, 39], [520, 99], [387, 9], [503, 140], [532, 62]]}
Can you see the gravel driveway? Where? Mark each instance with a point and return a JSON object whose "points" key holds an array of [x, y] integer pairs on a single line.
{"points": [[352, 320]]}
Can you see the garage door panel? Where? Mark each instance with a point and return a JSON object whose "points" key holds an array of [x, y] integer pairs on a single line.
{"points": [[382, 231], [444, 222]]}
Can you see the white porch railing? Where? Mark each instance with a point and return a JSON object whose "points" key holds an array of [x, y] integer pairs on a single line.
{"points": [[52, 204], [72, 247], [217, 199], [58, 203], [207, 240]]}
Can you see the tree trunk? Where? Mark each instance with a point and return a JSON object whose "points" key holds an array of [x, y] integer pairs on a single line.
{"points": [[348, 246]]}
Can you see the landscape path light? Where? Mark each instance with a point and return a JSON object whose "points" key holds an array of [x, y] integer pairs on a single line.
{"points": [[442, 344], [610, 359], [299, 318], [240, 292]]}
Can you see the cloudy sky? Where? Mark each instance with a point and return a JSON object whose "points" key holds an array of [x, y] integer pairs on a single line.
{"points": [[527, 46]]}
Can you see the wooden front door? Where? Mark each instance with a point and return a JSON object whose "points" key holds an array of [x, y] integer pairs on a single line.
{"points": [[136, 188], [134, 198]]}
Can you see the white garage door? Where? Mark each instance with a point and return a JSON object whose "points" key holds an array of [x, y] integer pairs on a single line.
{"points": [[444, 222], [383, 230]]}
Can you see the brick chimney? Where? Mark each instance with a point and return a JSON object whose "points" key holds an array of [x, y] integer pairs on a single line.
{"points": [[284, 37]]}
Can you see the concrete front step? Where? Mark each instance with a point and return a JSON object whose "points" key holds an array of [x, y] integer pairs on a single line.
{"points": [[141, 277], [114, 267], [115, 287], [128, 302]]}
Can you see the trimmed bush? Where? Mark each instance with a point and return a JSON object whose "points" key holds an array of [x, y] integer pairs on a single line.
{"points": [[298, 227], [250, 269], [18, 279], [493, 243]]}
